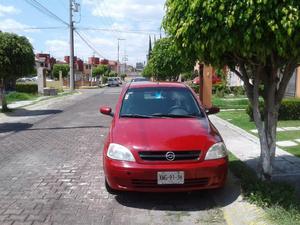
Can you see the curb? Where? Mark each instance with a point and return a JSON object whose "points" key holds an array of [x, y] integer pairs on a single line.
{"points": [[236, 210]]}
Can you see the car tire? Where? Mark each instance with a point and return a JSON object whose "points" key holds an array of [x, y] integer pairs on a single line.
{"points": [[109, 189]]}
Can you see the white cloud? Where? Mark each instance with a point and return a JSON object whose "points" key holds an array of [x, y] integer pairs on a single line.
{"points": [[11, 25], [8, 10], [57, 48], [151, 10], [128, 15]]}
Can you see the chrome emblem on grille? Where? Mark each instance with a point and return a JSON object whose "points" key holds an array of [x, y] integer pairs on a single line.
{"points": [[170, 156]]}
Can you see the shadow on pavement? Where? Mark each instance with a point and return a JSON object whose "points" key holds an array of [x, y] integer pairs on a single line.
{"points": [[189, 201], [9, 127], [25, 112]]}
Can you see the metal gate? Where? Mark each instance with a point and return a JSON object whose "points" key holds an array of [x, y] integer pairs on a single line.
{"points": [[291, 87]]}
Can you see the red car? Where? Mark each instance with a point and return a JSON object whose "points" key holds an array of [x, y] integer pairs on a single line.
{"points": [[161, 140]]}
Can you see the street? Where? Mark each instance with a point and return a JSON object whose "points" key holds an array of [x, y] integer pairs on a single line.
{"points": [[51, 172]]}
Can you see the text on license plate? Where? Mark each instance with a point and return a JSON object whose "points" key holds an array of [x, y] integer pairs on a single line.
{"points": [[176, 177]]}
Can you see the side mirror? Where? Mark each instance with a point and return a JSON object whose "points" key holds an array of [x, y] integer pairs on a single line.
{"points": [[106, 111], [212, 110]]}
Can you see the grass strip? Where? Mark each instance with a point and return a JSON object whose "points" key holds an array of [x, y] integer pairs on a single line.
{"points": [[19, 96], [230, 103], [278, 199]]}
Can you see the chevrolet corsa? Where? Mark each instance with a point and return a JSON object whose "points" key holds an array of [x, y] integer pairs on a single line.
{"points": [[161, 140]]}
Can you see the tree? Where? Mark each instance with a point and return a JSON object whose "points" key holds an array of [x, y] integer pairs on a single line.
{"points": [[167, 61], [64, 68], [16, 60], [257, 39], [148, 70], [101, 70], [113, 74]]}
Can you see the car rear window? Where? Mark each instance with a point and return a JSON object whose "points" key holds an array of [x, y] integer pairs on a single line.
{"points": [[161, 101]]}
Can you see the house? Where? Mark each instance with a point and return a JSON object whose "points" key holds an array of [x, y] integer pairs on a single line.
{"points": [[45, 60], [293, 88], [139, 66], [78, 67]]}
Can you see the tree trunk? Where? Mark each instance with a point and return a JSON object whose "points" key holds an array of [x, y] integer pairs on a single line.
{"points": [[3, 98], [275, 81]]}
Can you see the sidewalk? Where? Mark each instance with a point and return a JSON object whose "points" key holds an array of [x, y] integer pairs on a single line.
{"points": [[246, 147]]}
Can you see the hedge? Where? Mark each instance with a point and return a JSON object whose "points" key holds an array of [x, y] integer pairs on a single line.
{"points": [[27, 88], [289, 110]]}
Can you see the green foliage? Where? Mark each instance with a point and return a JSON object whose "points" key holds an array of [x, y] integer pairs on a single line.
{"points": [[237, 91], [60, 67], [270, 195], [101, 70], [195, 88], [188, 75], [230, 103], [167, 61], [19, 96], [289, 110], [221, 89], [218, 31], [27, 88], [148, 70], [104, 79], [113, 74], [16, 56], [123, 75], [16, 59]]}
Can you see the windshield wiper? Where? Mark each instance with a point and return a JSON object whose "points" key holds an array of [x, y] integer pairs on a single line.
{"points": [[170, 115], [136, 116]]}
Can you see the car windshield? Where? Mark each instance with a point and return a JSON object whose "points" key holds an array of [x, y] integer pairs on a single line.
{"points": [[161, 102], [138, 79]]}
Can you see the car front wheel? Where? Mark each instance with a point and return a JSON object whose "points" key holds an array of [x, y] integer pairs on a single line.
{"points": [[109, 189]]}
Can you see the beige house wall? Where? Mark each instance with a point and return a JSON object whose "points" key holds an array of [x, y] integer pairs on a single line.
{"points": [[298, 83]]}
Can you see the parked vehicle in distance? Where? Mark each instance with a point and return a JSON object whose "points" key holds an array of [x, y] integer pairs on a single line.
{"points": [[112, 81], [139, 79], [119, 80], [27, 79], [215, 80], [161, 140]]}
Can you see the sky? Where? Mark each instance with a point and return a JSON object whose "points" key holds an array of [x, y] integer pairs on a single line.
{"points": [[99, 22]]}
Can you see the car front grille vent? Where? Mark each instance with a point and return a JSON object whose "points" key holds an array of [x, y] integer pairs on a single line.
{"points": [[169, 155]]}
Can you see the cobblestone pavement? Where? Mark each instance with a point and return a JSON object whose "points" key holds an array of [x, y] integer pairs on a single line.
{"points": [[51, 171]]}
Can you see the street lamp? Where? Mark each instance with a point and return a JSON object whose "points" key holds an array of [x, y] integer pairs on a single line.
{"points": [[118, 62]]}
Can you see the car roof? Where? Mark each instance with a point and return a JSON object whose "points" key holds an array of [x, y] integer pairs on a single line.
{"points": [[144, 84]]}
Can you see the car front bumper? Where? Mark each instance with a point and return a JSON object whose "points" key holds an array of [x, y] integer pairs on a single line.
{"points": [[129, 176]]}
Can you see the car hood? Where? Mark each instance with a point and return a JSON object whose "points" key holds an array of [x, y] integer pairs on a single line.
{"points": [[164, 133]]}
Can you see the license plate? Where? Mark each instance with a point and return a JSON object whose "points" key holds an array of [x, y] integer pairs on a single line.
{"points": [[170, 177]]}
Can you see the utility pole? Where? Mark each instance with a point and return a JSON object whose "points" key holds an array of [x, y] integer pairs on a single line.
{"points": [[118, 62], [72, 86]]}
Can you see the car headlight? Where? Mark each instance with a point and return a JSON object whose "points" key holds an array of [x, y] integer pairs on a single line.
{"points": [[119, 152], [216, 151]]}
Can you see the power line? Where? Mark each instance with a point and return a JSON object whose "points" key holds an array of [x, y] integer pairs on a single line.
{"points": [[39, 28], [146, 32], [45, 11], [88, 44]]}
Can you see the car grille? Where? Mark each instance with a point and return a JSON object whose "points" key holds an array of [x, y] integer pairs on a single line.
{"points": [[201, 182], [161, 155]]}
